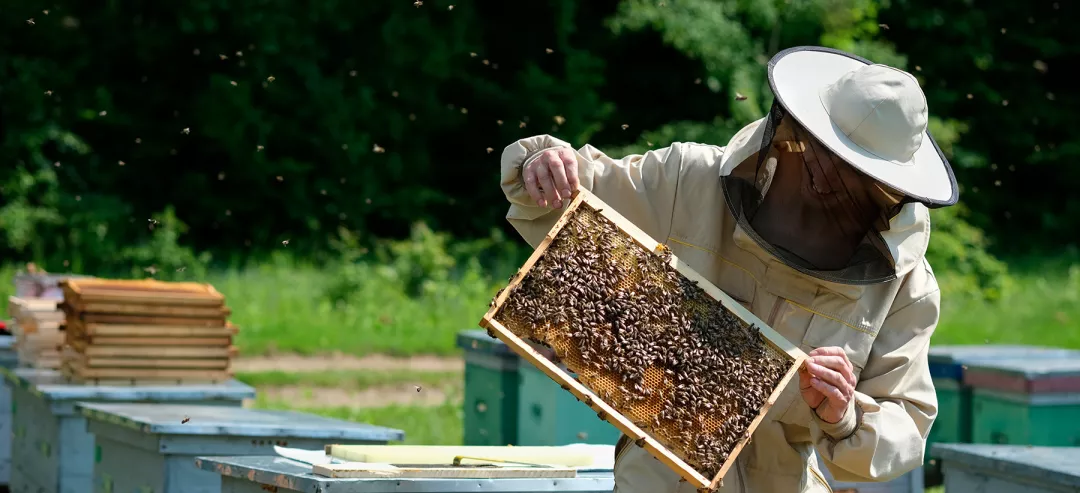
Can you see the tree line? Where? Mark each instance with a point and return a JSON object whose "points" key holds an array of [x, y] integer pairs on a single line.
{"points": [[138, 132]]}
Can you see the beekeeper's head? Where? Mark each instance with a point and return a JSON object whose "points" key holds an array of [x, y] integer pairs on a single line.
{"points": [[842, 153]]}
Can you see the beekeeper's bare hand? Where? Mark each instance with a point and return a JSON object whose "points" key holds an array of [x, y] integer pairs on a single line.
{"points": [[552, 177], [828, 383]]}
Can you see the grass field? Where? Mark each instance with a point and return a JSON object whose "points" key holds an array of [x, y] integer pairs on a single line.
{"points": [[280, 309], [284, 307]]}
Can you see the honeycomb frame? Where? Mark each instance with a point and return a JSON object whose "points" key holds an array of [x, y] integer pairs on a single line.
{"points": [[584, 393]]}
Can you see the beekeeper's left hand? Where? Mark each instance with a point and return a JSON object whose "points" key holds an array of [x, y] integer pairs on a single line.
{"points": [[827, 382]]}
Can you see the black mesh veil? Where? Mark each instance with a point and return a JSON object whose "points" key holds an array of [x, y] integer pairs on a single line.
{"points": [[811, 209]]}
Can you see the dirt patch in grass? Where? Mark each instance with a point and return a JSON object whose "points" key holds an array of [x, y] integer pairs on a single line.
{"points": [[381, 396], [340, 361]]}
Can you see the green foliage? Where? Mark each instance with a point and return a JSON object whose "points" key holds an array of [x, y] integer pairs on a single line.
{"points": [[1002, 69], [1040, 310], [956, 246], [20, 216], [85, 239], [418, 265], [408, 296], [262, 121], [238, 125], [280, 307], [162, 252], [960, 249]]}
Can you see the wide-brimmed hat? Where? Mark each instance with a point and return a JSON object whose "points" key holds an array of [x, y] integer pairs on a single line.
{"points": [[873, 116]]}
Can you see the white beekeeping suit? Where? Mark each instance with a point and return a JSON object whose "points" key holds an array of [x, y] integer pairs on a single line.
{"points": [[816, 219]]}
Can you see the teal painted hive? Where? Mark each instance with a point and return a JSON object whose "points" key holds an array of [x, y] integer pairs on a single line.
{"points": [[491, 390], [947, 364], [511, 402], [1025, 402], [549, 415]]}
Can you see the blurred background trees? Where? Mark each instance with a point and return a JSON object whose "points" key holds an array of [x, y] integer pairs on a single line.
{"points": [[142, 138]]}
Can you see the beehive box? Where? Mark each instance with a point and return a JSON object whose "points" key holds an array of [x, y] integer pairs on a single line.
{"points": [[666, 357]]}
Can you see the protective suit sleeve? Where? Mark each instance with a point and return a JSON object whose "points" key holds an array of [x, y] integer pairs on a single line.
{"points": [[883, 435], [641, 187]]}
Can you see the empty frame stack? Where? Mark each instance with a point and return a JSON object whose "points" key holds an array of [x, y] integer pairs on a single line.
{"points": [[154, 332], [38, 337]]}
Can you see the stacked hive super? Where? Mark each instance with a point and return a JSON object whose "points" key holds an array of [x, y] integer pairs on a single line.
{"points": [[38, 337], [132, 332]]}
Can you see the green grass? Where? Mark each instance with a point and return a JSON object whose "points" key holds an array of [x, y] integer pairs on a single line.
{"points": [[282, 307], [279, 308], [348, 379], [1043, 308]]}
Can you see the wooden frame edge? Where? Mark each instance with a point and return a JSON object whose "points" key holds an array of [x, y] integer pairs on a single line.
{"points": [[798, 363], [575, 202]]}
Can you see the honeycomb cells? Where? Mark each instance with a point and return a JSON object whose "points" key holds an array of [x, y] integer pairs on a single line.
{"points": [[647, 340]]}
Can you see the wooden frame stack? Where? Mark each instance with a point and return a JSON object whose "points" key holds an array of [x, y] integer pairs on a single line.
{"points": [[606, 411], [132, 332], [38, 337]]}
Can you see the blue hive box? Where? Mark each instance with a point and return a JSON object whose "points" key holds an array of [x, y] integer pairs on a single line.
{"points": [[152, 447], [52, 452]]}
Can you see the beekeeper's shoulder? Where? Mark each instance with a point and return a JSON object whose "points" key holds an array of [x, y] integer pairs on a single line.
{"points": [[699, 159]]}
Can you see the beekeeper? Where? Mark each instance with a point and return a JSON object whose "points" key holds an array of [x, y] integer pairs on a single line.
{"points": [[816, 219]]}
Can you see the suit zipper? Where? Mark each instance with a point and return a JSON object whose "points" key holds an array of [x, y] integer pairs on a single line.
{"points": [[772, 320], [820, 478], [775, 311]]}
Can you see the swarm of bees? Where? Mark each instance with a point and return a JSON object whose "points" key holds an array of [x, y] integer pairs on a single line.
{"points": [[646, 339]]}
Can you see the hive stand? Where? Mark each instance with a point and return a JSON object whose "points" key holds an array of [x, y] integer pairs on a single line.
{"points": [[583, 198]]}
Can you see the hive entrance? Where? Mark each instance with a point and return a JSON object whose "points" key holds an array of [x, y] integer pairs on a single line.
{"points": [[644, 338]]}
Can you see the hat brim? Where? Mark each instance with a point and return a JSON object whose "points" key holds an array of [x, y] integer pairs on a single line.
{"points": [[797, 77]]}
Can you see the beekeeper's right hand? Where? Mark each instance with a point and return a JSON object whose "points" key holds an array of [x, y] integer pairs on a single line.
{"points": [[551, 177]]}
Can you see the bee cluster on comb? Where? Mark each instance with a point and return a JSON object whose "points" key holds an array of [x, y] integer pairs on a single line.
{"points": [[646, 339]]}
